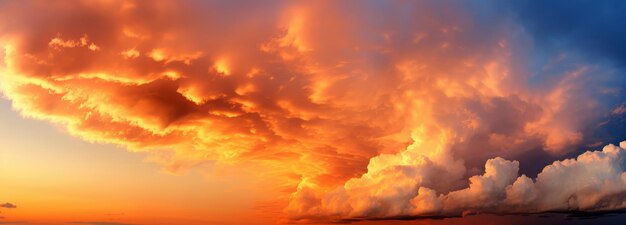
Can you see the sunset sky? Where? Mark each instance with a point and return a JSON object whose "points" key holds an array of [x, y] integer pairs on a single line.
{"points": [[280, 112]]}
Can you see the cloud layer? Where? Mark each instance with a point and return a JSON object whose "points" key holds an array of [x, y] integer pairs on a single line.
{"points": [[371, 110]]}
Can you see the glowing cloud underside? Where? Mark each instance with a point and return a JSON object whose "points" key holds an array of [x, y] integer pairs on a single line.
{"points": [[362, 117]]}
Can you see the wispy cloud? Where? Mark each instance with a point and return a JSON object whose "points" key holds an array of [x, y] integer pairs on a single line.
{"points": [[8, 205], [99, 223]]}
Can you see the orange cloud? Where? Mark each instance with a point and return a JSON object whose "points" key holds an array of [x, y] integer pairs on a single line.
{"points": [[314, 93]]}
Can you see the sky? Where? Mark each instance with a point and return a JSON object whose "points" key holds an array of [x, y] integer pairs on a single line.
{"points": [[323, 112]]}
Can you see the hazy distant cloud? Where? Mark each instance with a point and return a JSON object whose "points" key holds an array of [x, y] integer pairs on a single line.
{"points": [[589, 27], [8, 205], [619, 110], [99, 223]]}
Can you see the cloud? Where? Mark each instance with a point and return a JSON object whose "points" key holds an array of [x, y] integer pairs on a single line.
{"points": [[8, 205], [595, 181], [588, 27], [99, 223], [619, 110], [313, 94]]}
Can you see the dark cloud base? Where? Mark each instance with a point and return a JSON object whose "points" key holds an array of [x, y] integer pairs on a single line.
{"points": [[575, 218], [568, 215]]}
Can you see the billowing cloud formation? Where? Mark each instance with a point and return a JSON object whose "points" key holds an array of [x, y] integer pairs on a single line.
{"points": [[414, 94], [594, 181]]}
